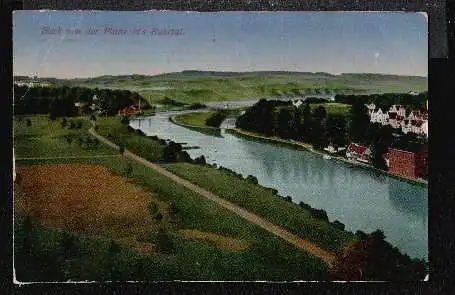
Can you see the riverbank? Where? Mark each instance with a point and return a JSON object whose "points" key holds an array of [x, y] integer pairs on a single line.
{"points": [[308, 147], [199, 128]]}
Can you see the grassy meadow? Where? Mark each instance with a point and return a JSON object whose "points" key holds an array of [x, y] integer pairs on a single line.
{"points": [[265, 203], [194, 239], [46, 138]]}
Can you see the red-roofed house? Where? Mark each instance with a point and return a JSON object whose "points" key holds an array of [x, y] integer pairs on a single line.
{"points": [[128, 111], [358, 152]]}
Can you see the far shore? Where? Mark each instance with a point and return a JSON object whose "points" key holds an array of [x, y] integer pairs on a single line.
{"points": [[308, 147]]}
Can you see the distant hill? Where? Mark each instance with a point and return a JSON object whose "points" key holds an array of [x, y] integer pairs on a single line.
{"points": [[192, 86]]}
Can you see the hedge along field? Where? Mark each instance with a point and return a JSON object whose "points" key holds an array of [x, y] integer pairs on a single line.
{"points": [[265, 203], [42, 137], [180, 258]]}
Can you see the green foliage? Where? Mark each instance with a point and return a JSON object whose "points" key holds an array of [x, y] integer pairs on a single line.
{"points": [[216, 118], [125, 120], [373, 258], [59, 101], [128, 169], [64, 122], [200, 160], [252, 178], [29, 123]]}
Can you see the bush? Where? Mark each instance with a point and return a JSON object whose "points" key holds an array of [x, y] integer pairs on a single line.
{"points": [[128, 169], [288, 198], [79, 124], [125, 120], [164, 242], [184, 157], [304, 206], [319, 214], [72, 125], [64, 122], [121, 150], [338, 224], [252, 178], [92, 117], [361, 235], [200, 160], [29, 123], [216, 119]]}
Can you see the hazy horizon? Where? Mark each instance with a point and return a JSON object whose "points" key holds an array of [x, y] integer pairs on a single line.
{"points": [[388, 43], [155, 75]]}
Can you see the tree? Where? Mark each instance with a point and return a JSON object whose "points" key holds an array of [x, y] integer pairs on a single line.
{"points": [[307, 123], [319, 136], [164, 241], [372, 258], [336, 129], [359, 121], [128, 169], [29, 123]]}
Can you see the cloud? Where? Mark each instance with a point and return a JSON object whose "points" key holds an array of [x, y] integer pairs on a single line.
{"points": [[376, 54]]}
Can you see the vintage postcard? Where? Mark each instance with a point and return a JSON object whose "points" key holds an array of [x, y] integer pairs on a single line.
{"points": [[221, 146]]}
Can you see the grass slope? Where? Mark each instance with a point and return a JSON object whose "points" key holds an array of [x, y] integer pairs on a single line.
{"points": [[178, 257], [263, 202]]}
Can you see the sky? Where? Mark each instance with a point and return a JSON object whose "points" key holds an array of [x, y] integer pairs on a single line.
{"points": [[332, 42]]}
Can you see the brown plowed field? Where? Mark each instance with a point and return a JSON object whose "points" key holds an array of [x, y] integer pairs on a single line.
{"points": [[87, 199]]}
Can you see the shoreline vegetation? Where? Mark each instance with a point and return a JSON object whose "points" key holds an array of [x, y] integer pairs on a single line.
{"points": [[307, 147], [199, 125], [209, 130]]}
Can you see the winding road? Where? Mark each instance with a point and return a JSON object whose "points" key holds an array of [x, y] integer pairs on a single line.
{"points": [[272, 228]]}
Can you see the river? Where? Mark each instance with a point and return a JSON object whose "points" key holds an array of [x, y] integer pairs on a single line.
{"points": [[361, 199]]}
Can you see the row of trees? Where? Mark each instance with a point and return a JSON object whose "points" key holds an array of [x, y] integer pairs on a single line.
{"points": [[59, 101], [319, 128], [278, 118]]}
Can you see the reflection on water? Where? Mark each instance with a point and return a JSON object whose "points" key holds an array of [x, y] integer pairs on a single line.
{"points": [[361, 199], [411, 200]]}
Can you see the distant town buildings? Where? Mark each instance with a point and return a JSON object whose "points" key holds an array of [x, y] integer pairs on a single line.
{"points": [[416, 122], [33, 83]]}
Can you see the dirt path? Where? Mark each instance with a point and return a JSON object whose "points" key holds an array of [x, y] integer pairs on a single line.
{"points": [[276, 230]]}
